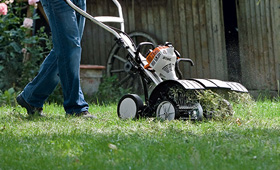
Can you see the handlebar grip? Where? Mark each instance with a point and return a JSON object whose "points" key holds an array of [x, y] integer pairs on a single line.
{"points": [[178, 71]]}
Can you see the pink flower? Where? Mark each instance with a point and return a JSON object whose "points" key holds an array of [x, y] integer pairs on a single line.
{"points": [[3, 9], [32, 2], [24, 50], [27, 23]]}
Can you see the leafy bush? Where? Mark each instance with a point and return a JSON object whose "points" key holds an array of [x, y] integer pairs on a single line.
{"points": [[8, 97], [20, 52], [108, 91]]}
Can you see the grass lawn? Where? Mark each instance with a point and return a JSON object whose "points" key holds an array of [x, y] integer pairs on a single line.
{"points": [[250, 139]]}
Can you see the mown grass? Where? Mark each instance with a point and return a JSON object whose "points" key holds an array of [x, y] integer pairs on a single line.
{"points": [[250, 139]]}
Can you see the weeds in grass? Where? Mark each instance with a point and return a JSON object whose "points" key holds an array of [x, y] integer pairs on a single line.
{"points": [[241, 98], [220, 106], [214, 105]]}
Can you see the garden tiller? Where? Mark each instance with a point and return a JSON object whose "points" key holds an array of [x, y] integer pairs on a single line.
{"points": [[166, 94]]}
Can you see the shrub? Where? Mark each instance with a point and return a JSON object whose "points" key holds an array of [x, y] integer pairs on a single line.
{"points": [[108, 92], [21, 53], [8, 97]]}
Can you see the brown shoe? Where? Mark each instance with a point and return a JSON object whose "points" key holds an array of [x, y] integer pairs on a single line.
{"points": [[84, 114]]}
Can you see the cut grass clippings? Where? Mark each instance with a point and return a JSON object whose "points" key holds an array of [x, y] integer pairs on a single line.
{"points": [[250, 139]]}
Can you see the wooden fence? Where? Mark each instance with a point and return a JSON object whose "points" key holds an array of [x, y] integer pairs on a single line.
{"points": [[259, 28], [196, 29]]}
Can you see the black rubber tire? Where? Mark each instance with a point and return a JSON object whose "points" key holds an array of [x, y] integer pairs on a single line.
{"points": [[130, 106]]}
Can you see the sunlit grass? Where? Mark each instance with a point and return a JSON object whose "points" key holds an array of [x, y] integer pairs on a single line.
{"points": [[250, 139]]}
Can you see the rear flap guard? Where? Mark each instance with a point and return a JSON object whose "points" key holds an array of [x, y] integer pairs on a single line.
{"points": [[218, 84], [195, 84]]}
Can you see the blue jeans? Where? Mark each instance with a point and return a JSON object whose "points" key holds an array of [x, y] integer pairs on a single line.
{"points": [[63, 62]]}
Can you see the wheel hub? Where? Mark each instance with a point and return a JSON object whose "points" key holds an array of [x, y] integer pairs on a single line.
{"points": [[127, 67]]}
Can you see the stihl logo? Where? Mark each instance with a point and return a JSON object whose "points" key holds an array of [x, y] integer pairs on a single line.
{"points": [[166, 58]]}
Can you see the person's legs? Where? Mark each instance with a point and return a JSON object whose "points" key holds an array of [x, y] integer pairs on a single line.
{"points": [[39, 89], [63, 62]]}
